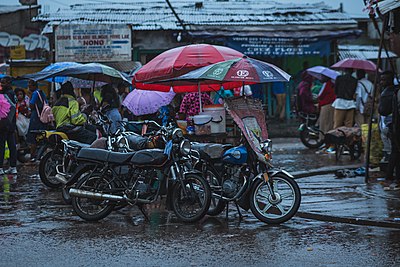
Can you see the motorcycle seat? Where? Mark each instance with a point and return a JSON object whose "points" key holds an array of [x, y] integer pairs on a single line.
{"points": [[211, 150], [149, 157], [103, 155], [77, 144]]}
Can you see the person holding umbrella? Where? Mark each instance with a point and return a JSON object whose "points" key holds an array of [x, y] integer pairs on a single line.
{"points": [[345, 89], [110, 105], [326, 97]]}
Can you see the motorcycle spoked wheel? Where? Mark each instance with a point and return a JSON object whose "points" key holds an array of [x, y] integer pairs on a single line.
{"points": [[47, 168], [217, 205], [283, 208], [311, 139], [191, 202], [91, 209]]}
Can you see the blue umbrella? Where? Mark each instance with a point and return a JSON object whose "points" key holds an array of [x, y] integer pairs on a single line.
{"points": [[56, 67], [90, 71]]}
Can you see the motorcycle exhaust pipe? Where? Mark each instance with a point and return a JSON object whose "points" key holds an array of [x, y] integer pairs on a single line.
{"points": [[83, 193], [60, 178]]}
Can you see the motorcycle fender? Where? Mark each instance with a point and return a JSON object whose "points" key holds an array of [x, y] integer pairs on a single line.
{"points": [[301, 127]]}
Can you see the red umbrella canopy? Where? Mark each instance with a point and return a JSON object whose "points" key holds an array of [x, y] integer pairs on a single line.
{"points": [[178, 61], [355, 63]]}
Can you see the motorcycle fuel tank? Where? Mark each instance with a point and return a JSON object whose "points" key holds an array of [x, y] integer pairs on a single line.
{"points": [[236, 155]]}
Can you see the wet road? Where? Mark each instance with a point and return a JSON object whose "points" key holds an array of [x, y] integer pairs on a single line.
{"points": [[38, 229]]}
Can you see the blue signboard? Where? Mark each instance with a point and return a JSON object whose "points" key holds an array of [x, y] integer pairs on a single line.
{"points": [[279, 47]]}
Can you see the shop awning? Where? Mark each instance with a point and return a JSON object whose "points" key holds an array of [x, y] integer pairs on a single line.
{"points": [[124, 66], [362, 52], [388, 5]]}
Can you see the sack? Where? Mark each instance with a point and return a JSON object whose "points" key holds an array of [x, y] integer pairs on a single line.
{"points": [[47, 114], [22, 125], [368, 106], [368, 103]]}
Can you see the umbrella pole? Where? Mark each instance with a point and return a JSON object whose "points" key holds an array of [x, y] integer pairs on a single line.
{"points": [[201, 105], [373, 102]]}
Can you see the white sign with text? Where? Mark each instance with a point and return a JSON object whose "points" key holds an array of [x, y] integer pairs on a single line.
{"points": [[93, 43]]}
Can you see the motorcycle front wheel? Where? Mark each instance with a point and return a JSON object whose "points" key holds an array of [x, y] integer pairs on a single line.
{"points": [[311, 138], [217, 205], [47, 168], [92, 209], [191, 198], [279, 209]]}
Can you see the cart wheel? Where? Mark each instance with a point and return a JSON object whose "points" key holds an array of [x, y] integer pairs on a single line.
{"points": [[356, 150], [338, 151]]}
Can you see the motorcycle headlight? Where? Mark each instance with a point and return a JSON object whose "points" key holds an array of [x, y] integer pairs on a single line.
{"points": [[266, 148], [185, 147], [177, 135]]}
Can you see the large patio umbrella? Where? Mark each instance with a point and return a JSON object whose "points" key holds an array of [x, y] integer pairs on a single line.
{"points": [[178, 61], [355, 63], [231, 74], [320, 72]]}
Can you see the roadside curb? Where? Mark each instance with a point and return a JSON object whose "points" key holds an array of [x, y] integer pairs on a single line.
{"points": [[356, 221], [321, 171]]}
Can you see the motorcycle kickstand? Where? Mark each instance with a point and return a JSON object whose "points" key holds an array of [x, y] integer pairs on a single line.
{"points": [[142, 209], [227, 206], [240, 214]]}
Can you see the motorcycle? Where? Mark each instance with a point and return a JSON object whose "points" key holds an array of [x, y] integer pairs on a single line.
{"points": [[310, 134], [245, 175], [139, 178]]}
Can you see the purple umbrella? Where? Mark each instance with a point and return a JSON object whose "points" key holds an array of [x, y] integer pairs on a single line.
{"points": [[142, 102]]}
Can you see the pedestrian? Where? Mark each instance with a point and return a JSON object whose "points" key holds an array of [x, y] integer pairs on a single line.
{"points": [[8, 127], [38, 98], [389, 104], [69, 119], [363, 98], [23, 112], [87, 102], [326, 97], [305, 102], [110, 106], [345, 89], [279, 90]]}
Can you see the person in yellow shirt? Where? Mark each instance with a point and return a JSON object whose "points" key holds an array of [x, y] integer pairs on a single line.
{"points": [[68, 117]]}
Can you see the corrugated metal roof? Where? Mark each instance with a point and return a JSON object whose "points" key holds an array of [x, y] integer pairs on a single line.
{"points": [[156, 15], [362, 52], [388, 5]]}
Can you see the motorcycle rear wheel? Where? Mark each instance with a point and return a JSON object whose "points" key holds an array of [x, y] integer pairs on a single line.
{"points": [[91, 209], [311, 139], [47, 168], [191, 202], [283, 208]]}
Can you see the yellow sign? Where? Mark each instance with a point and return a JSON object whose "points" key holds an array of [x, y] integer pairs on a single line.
{"points": [[18, 52]]}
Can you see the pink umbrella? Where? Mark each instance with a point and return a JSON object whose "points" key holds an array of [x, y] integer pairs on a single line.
{"points": [[142, 102], [4, 107], [354, 63]]}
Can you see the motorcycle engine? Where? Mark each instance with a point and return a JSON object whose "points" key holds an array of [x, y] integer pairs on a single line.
{"points": [[231, 185], [144, 183]]}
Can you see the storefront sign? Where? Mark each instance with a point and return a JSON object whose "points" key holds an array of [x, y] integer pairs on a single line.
{"points": [[93, 43], [278, 47], [17, 52]]}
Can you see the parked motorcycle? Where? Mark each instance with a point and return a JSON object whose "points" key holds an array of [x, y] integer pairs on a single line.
{"points": [[310, 134], [244, 174], [140, 178]]}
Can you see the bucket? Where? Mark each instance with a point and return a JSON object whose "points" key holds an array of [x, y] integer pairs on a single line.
{"points": [[202, 124], [218, 121]]}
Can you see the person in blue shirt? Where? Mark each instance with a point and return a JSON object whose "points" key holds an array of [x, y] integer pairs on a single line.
{"points": [[279, 90], [36, 105]]}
